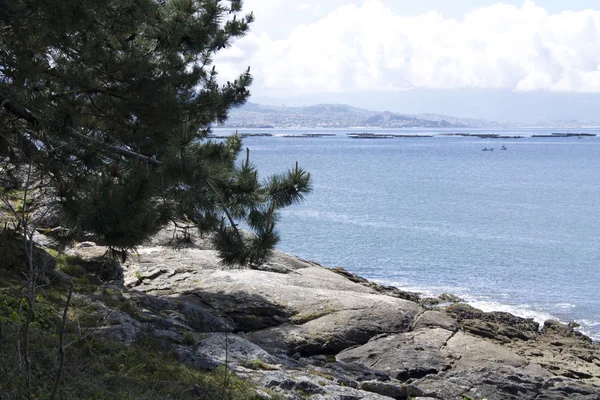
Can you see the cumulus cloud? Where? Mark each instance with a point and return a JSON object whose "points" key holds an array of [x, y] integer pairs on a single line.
{"points": [[367, 46]]}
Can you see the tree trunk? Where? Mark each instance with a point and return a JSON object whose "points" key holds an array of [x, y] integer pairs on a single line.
{"points": [[61, 346]]}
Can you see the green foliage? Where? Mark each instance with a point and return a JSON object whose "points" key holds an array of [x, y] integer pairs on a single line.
{"points": [[258, 205], [111, 102], [99, 368], [69, 265]]}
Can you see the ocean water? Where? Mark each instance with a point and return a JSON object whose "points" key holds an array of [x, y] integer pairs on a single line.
{"points": [[515, 230]]}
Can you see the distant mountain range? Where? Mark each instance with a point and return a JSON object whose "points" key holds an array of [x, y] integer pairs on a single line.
{"points": [[253, 115]]}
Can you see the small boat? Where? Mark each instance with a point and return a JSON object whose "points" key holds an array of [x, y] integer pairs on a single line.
{"points": [[486, 149], [503, 147]]}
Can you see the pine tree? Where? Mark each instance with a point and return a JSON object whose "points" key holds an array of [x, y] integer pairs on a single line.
{"points": [[113, 99]]}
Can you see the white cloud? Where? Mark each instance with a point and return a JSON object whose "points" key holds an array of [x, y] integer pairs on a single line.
{"points": [[367, 46]]}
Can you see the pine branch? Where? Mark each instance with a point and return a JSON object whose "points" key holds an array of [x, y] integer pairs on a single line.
{"points": [[10, 106], [226, 210]]}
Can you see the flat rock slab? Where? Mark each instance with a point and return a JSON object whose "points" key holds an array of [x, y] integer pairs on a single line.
{"points": [[471, 351], [309, 308], [340, 329], [435, 319], [406, 355]]}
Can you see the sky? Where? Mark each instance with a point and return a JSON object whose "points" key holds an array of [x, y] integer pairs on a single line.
{"points": [[522, 60]]}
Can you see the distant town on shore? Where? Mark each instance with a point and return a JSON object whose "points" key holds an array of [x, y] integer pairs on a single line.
{"points": [[254, 115]]}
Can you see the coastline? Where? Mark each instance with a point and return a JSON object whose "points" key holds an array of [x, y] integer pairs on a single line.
{"points": [[490, 304], [301, 330], [403, 205]]}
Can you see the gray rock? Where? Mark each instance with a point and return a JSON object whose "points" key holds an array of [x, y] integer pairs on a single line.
{"points": [[318, 360], [347, 374], [170, 313], [85, 244], [14, 255], [492, 383], [353, 371], [435, 319], [285, 382], [120, 326], [406, 355], [278, 380], [190, 357], [201, 319], [470, 351], [339, 330], [152, 273], [327, 311], [169, 336], [237, 350], [347, 393], [261, 394], [93, 259], [494, 325], [442, 299], [292, 315], [283, 263], [414, 391], [557, 328], [451, 298], [308, 386], [386, 389], [45, 241]]}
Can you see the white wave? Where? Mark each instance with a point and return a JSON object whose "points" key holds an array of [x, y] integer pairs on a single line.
{"points": [[523, 311], [587, 327]]}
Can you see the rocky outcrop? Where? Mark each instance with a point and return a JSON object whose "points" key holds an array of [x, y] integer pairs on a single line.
{"points": [[338, 325], [304, 331], [500, 326], [14, 255]]}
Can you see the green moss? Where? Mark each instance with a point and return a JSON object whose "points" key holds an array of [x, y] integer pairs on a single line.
{"points": [[323, 374], [70, 265], [52, 252], [189, 339], [255, 364], [303, 318]]}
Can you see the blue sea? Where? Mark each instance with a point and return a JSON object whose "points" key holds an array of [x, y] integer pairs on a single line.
{"points": [[515, 230]]}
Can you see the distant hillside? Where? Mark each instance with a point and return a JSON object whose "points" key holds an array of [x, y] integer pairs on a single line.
{"points": [[254, 115]]}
